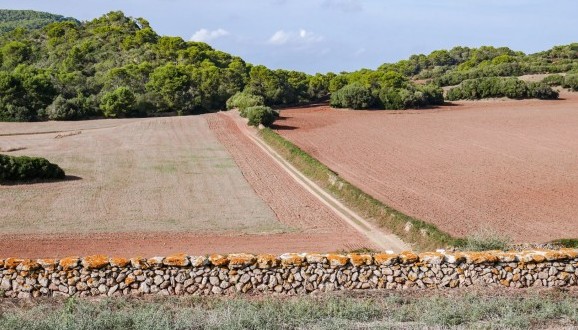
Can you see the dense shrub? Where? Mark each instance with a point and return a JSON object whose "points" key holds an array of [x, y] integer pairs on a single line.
{"points": [[411, 97], [514, 88], [571, 81], [540, 90], [261, 115], [243, 101], [28, 169], [354, 96], [554, 80]]}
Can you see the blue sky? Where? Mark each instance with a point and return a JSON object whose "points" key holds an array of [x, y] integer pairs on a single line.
{"points": [[340, 35]]}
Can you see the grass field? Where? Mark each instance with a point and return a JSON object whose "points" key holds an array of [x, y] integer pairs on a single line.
{"points": [[488, 309], [163, 174]]}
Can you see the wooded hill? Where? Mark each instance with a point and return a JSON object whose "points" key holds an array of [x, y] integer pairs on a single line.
{"points": [[118, 66]]}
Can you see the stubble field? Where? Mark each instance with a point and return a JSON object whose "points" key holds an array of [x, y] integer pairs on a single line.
{"points": [[157, 186]]}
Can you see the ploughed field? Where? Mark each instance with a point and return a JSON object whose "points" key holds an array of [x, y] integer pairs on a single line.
{"points": [[510, 165], [154, 186]]}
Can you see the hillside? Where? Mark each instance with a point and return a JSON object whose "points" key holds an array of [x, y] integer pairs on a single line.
{"points": [[27, 19], [118, 66]]}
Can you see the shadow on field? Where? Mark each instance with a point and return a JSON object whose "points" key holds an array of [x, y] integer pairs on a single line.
{"points": [[20, 183]]}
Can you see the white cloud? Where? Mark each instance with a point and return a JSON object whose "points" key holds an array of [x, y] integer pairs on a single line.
{"points": [[205, 35], [302, 36]]}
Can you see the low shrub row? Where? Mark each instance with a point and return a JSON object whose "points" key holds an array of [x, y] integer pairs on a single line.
{"points": [[25, 168], [252, 107], [511, 87], [357, 96]]}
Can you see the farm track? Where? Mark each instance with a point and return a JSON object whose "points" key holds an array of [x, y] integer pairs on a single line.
{"points": [[505, 164]]}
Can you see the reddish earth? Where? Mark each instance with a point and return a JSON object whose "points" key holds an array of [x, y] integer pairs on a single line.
{"points": [[505, 164], [199, 205], [162, 244]]}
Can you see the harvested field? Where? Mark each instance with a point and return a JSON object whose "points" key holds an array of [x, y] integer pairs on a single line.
{"points": [[505, 164], [157, 186]]}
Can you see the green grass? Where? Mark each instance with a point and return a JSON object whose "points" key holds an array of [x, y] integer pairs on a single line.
{"points": [[378, 310], [421, 235], [486, 239], [566, 242]]}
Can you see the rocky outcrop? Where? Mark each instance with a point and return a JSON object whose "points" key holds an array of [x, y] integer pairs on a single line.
{"points": [[289, 273]]}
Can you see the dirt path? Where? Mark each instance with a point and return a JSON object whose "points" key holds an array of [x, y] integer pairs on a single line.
{"points": [[380, 239]]}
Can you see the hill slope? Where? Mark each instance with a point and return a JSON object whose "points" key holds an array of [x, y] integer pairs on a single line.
{"points": [[28, 19]]}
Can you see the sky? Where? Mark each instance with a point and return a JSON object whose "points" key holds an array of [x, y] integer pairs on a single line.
{"points": [[339, 35]]}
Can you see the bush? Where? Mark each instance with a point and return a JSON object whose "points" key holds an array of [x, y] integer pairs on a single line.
{"points": [[571, 81], [514, 88], [540, 90], [261, 115], [244, 100], [411, 97], [553, 80], [353, 96], [25, 168]]}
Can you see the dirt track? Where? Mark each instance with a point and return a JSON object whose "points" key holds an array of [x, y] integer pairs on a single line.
{"points": [[509, 165]]}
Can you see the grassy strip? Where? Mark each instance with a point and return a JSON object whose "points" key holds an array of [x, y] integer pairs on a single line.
{"points": [[422, 235], [410, 310]]}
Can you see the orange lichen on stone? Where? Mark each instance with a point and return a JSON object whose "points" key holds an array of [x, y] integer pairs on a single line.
{"points": [[48, 264], [139, 263], [408, 257], [505, 282], [432, 258], [198, 261], [385, 259], [240, 260], [28, 265], [481, 257], [570, 253], [119, 262], [316, 258], [130, 279], [12, 263], [358, 259], [178, 260], [553, 255], [68, 262], [292, 259], [155, 261], [507, 256], [218, 260], [95, 261], [267, 261], [337, 260], [454, 258]]}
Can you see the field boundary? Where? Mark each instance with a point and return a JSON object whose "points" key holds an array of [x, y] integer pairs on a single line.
{"points": [[422, 235], [286, 274], [386, 242]]}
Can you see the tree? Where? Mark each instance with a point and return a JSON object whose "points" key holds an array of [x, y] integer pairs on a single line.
{"points": [[118, 103], [353, 96], [172, 86], [261, 115]]}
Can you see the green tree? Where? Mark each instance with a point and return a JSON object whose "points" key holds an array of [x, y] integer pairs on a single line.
{"points": [[118, 103]]}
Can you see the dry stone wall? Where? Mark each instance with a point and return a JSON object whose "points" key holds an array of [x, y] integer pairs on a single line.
{"points": [[285, 274]]}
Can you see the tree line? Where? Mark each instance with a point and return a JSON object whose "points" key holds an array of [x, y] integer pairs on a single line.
{"points": [[118, 66]]}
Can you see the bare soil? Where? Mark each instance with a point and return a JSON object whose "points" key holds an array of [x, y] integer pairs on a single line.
{"points": [[158, 186], [505, 164]]}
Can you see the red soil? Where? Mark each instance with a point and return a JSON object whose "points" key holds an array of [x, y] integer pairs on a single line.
{"points": [[316, 227], [506, 164], [129, 245]]}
